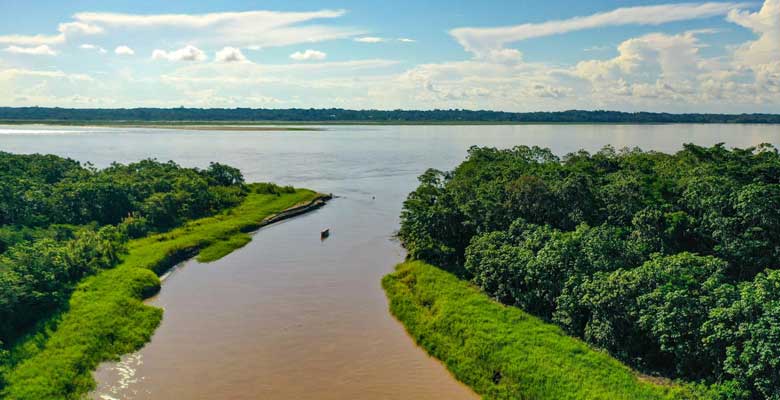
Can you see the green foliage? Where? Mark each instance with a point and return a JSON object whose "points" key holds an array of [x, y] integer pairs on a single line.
{"points": [[106, 317], [748, 331], [224, 247], [270, 188], [61, 221], [660, 259], [172, 115], [35, 279], [504, 353], [40, 190]]}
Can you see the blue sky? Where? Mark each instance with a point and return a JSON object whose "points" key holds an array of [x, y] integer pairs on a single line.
{"points": [[504, 55]]}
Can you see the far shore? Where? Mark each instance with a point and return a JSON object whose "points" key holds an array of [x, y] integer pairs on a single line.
{"points": [[252, 126]]}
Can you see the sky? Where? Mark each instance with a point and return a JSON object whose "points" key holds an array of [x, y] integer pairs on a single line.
{"points": [[550, 55]]}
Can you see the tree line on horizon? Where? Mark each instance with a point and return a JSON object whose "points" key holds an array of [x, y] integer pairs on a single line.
{"points": [[181, 114]]}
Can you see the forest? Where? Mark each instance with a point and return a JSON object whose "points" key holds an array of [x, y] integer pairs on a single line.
{"points": [[337, 115], [666, 261], [61, 221]]}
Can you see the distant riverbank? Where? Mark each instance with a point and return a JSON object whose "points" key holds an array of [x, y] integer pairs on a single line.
{"points": [[320, 116], [183, 125], [275, 126]]}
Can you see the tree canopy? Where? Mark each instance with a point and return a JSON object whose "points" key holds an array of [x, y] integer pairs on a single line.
{"points": [[365, 116], [667, 261], [61, 221]]}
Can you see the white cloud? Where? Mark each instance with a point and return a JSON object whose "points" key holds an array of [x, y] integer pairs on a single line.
{"points": [[370, 39], [481, 41], [377, 39], [70, 28], [598, 48], [308, 55], [648, 58], [124, 51], [20, 72], [667, 71], [249, 28], [42, 50], [66, 29], [294, 74], [230, 54], [87, 46], [766, 24], [267, 18], [186, 53], [32, 40]]}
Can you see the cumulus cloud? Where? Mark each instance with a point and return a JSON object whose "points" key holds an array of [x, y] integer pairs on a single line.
{"points": [[482, 41], [308, 55], [124, 51], [766, 24], [230, 54], [42, 50], [648, 57], [186, 53]]}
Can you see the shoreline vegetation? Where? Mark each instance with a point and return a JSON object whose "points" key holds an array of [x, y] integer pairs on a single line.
{"points": [[165, 117], [666, 262], [106, 317], [249, 126], [502, 352]]}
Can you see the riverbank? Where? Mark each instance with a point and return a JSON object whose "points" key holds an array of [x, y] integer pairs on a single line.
{"points": [[504, 353], [292, 125], [106, 316], [250, 126]]}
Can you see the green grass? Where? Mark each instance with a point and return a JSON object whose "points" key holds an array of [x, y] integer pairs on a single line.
{"points": [[505, 353], [106, 316], [217, 250]]}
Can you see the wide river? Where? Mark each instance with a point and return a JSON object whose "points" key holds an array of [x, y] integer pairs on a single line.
{"points": [[290, 316]]}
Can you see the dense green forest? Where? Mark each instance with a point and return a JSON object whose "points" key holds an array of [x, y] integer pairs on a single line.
{"points": [[665, 261], [61, 221], [106, 316], [65, 115]]}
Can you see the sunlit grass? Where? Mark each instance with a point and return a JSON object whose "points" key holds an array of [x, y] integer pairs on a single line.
{"points": [[503, 352], [106, 316]]}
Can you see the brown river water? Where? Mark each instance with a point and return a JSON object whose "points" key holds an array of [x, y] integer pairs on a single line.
{"points": [[290, 316]]}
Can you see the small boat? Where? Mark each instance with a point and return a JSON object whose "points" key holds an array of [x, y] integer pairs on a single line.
{"points": [[324, 233]]}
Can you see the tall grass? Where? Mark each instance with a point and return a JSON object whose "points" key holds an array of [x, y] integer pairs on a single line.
{"points": [[106, 316], [505, 353]]}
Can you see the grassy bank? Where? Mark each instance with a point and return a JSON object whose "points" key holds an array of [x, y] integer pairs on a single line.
{"points": [[106, 316], [503, 352]]}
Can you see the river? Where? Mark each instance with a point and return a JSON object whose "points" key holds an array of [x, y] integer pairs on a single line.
{"points": [[290, 316]]}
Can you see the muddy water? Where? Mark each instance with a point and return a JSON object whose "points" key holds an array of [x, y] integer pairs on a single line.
{"points": [[290, 316]]}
